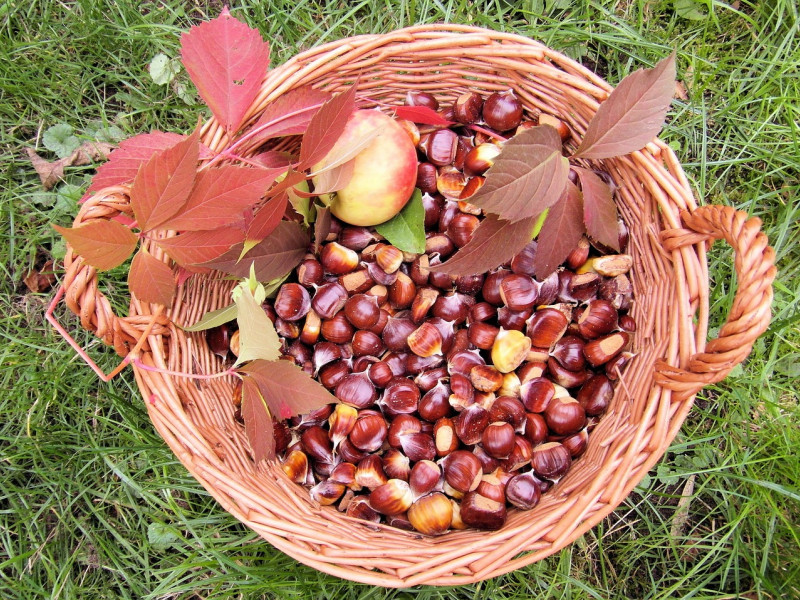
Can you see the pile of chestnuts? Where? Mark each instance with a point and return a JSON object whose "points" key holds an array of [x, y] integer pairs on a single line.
{"points": [[460, 397]]}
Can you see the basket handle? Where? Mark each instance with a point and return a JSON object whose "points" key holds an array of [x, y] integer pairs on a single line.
{"points": [[754, 263]]}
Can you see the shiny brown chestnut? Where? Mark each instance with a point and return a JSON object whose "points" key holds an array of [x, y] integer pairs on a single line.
{"points": [[522, 491], [481, 512], [337, 259], [565, 416], [357, 390], [462, 470], [431, 514], [498, 439], [369, 432], [329, 299], [502, 111], [391, 498], [550, 460], [467, 108], [362, 311], [337, 329]]}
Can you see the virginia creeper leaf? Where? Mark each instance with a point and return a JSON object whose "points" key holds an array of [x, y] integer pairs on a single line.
{"points": [[561, 232], [220, 196], [406, 230], [346, 150], [632, 115], [257, 335], [272, 159], [494, 242], [214, 318], [164, 182], [527, 176], [287, 390], [421, 114], [195, 247], [257, 421], [599, 210], [280, 252], [289, 113], [226, 60], [291, 179], [266, 219], [102, 244], [322, 227], [330, 179], [150, 280], [124, 162], [326, 127]]}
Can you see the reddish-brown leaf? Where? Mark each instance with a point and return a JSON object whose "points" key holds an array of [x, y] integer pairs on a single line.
{"points": [[287, 390], [599, 210], [421, 114], [195, 247], [632, 115], [150, 280], [326, 127], [275, 256], [227, 61], [561, 232], [289, 113], [526, 178], [266, 219], [272, 159], [219, 197], [257, 421], [164, 182], [102, 244], [494, 242], [124, 162], [292, 178], [322, 226]]}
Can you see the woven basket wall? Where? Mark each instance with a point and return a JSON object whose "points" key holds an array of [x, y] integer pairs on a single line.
{"points": [[669, 237]]}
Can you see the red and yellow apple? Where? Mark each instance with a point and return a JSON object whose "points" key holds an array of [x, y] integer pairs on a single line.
{"points": [[384, 172]]}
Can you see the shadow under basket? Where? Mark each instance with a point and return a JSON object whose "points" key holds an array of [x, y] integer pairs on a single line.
{"points": [[669, 236]]}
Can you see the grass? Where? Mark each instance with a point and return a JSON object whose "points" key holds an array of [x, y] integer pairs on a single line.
{"points": [[92, 503]]}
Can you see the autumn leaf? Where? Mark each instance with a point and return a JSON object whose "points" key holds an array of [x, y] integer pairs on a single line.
{"points": [[346, 150], [331, 179], [632, 115], [50, 172], [266, 219], [322, 227], [150, 280], [124, 162], [527, 176], [258, 425], [220, 196], [287, 389], [273, 257], [599, 210], [102, 244], [289, 113], [257, 336], [196, 247], [421, 114], [494, 242], [326, 127], [561, 232], [164, 182], [227, 61]]}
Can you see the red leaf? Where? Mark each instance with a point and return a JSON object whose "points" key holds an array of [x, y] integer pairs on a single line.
{"points": [[257, 421], [124, 162], [322, 227], [275, 256], [289, 113], [219, 197], [292, 178], [632, 115], [273, 160], [599, 210], [494, 242], [164, 182], [421, 114], [526, 178], [266, 219], [561, 232], [102, 244], [150, 280], [227, 61], [326, 127], [287, 390], [195, 247]]}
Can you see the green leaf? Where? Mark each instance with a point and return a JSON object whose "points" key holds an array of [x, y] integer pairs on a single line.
{"points": [[689, 9], [163, 69], [214, 318], [60, 140], [406, 230], [258, 338], [161, 536]]}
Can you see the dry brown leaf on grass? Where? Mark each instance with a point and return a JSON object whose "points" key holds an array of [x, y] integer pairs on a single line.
{"points": [[51, 171]]}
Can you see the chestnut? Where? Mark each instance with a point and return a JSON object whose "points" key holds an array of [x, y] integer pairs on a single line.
{"points": [[431, 514], [368, 433], [467, 107], [462, 470], [337, 259], [362, 311], [391, 498], [502, 111], [498, 439], [523, 491], [482, 512], [550, 460], [565, 416]]}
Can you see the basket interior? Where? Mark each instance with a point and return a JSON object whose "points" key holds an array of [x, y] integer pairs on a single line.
{"points": [[196, 418]]}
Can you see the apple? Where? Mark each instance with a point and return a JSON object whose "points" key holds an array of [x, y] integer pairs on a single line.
{"points": [[384, 173]]}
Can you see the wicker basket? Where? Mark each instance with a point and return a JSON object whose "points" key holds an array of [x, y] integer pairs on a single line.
{"points": [[669, 238]]}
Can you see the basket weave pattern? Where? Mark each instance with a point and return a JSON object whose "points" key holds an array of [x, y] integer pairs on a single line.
{"points": [[669, 236]]}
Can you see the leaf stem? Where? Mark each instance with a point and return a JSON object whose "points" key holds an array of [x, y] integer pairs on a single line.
{"points": [[488, 132]]}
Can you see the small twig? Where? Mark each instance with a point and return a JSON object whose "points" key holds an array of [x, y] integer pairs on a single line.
{"points": [[138, 363]]}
